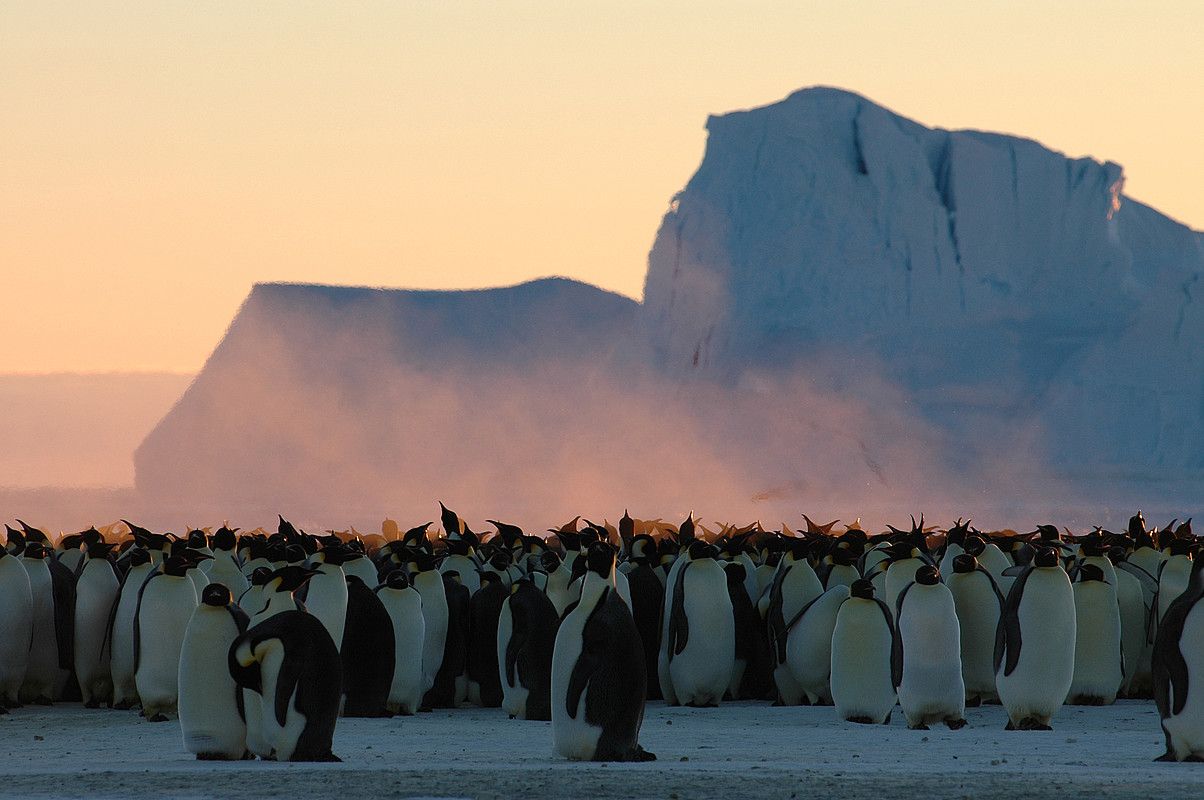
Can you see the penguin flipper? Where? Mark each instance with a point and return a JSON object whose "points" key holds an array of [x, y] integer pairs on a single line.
{"points": [[287, 680], [593, 651], [518, 640], [679, 624], [896, 645], [1008, 638], [1169, 667]]}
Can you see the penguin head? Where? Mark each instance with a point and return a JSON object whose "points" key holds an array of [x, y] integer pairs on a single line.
{"points": [[216, 595], [862, 589], [290, 578], [844, 555], [196, 539], [700, 549], [1046, 557], [600, 559], [974, 545], [964, 563], [260, 576], [176, 566], [35, 550], [397, 579], [1091, 572], [225, 538], [490, 579], [294, 554], [501, 560], [735, 574], [550, 561], [1182, 547], [928, 575]]}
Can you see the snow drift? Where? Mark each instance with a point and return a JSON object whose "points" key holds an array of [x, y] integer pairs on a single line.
{"points": [[843, 308]]}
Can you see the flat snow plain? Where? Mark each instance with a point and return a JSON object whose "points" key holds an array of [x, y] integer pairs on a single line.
{"points": [[738, 750]]}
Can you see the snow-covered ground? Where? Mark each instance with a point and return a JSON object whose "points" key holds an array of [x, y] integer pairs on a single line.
{"points": [[737, 750]]}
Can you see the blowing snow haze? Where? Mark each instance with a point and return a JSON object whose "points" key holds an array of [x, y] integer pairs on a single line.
{"points": [[843, 310]]}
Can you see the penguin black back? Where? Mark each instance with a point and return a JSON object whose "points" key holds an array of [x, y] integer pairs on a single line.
{"points": [[529, 651], [367, 653], [484, 609]]}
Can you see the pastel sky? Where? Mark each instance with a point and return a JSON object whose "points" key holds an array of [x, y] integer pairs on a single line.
{"points": [[160, 157]]}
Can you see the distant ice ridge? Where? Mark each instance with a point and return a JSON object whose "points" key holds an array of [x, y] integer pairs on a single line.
{"points": [[842, 306], [1009, 289]]}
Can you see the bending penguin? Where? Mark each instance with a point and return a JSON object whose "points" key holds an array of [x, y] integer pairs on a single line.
{"points": [[598, 674], [212, 719], [291, 662]]}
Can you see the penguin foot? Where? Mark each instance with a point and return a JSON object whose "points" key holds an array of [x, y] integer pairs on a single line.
{"points": [[955, 724], [994, 701], [124, 705], [1087, 700], [918, 727], [974, 702], [860, 720], [641, 754], [157, 718], [1010, 726], [1031, 724], [92, 704], [1167, 757], [513, 716], [3, 710], [1195, 759], [887, 720], [42, 700]]}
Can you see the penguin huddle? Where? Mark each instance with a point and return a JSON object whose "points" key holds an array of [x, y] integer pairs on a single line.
{"points": [[259, 642]]}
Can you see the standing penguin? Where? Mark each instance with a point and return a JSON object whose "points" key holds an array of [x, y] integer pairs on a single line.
{"points": [[50, 652], [96, 593], [647, 605], [526, 637], [1034, 647], [166, 603], [121, 629], [368, 652], [794, 586], [1179, 654], [598, 672], [484, 611], [16, 627], [404, 606], [701, 664], [863, 643], [211, 709], [290, 662], [927, 660], [752, 675], [325, 594], [451, 683], [427, 581], [979, 603], [1098, 661]]}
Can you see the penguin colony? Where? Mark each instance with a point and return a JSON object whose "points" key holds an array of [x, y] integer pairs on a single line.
{"points": [[259, 642]]}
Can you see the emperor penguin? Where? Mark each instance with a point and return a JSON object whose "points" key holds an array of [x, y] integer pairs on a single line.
{"points": [[278, 593], [404, 606], [290, 662], [701, 664], [752, 674], [978, 602], [598, 672], [325, 594], [121, 629], [224, 566], [16, 627], [863, 641], [794, 586], [96, 593], [451, 681], [210, 703], [1174, 573], [48, 666], [526, 638], [1179, 655], [368, 653], [427, 581], [459, 558], [955, 540], [166, 603], [1098, 660], [1134, 624], [1034, 646], [560, 575], [254, 598], [926, 663], [809, 644], [484, 613], [647, 605]]}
